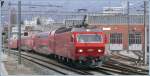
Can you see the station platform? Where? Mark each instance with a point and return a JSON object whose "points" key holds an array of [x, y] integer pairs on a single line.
{"points": [[9, 66], [3, 71]]}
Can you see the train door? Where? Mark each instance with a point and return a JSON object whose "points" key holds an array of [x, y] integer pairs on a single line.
{"points": [[52, 42], [116, 41], [43, 45], [135, 41], [34, 42]]}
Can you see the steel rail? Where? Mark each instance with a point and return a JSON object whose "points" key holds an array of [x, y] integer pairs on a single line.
{"points": [[48, 61], [129, 66], [117, 65]]}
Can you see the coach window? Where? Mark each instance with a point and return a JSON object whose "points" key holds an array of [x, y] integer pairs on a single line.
{"points": [[43, 36], [135, 38], [115, 38], [25, 33]]}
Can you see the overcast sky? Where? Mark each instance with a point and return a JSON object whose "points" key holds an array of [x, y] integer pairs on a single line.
{"points": [[71, 5]]}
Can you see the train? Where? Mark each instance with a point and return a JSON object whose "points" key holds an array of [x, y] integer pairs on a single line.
{"points": [[84, 47]]}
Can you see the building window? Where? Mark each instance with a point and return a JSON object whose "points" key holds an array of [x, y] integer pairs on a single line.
{"points": [[116, 38], [135, 38]]}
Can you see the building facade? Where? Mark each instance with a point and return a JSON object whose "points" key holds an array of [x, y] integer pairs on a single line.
{"points": [[123, 32]]}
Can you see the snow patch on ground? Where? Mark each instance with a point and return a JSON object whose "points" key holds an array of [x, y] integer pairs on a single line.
{"points": [[129, 54]]}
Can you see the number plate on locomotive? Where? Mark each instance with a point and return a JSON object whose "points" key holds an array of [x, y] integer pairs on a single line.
{"points": [[90, 50]]}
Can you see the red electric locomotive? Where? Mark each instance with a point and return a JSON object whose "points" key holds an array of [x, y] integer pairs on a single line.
{"points": [[77, 45], [84, 46]]}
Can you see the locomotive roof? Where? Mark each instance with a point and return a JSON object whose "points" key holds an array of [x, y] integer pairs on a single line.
{"points": [[64, 29], [25, 37], [43, 33], [85, 30]]}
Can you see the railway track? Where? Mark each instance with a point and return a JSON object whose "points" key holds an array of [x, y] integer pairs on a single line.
{"points": [[112, 71], [44, 59], [61, 66], [45, 62], [129, 66], [107, 69], [123, 57], [126, 68], [88, 70], [44, 65], [82, 72], [126, 58], [138, 53]]}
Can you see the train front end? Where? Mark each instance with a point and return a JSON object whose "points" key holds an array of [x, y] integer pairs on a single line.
{"points": [[90, 48]]}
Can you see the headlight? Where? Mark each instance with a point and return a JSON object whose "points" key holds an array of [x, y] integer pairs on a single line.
{"points": [[99, 50], [80, 50]]}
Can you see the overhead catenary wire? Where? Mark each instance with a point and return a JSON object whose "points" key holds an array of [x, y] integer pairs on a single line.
{"points": [[48, 5]]}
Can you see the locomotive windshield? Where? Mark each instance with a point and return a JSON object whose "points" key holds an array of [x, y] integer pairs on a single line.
{"points": [[89, 38]]}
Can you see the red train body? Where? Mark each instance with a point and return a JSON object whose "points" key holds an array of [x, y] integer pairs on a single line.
{"points": [[13, 43], [82, 46], [27, 43]]}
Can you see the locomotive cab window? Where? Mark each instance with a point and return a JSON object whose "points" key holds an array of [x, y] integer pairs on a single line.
{"points": [[89, 38]]}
